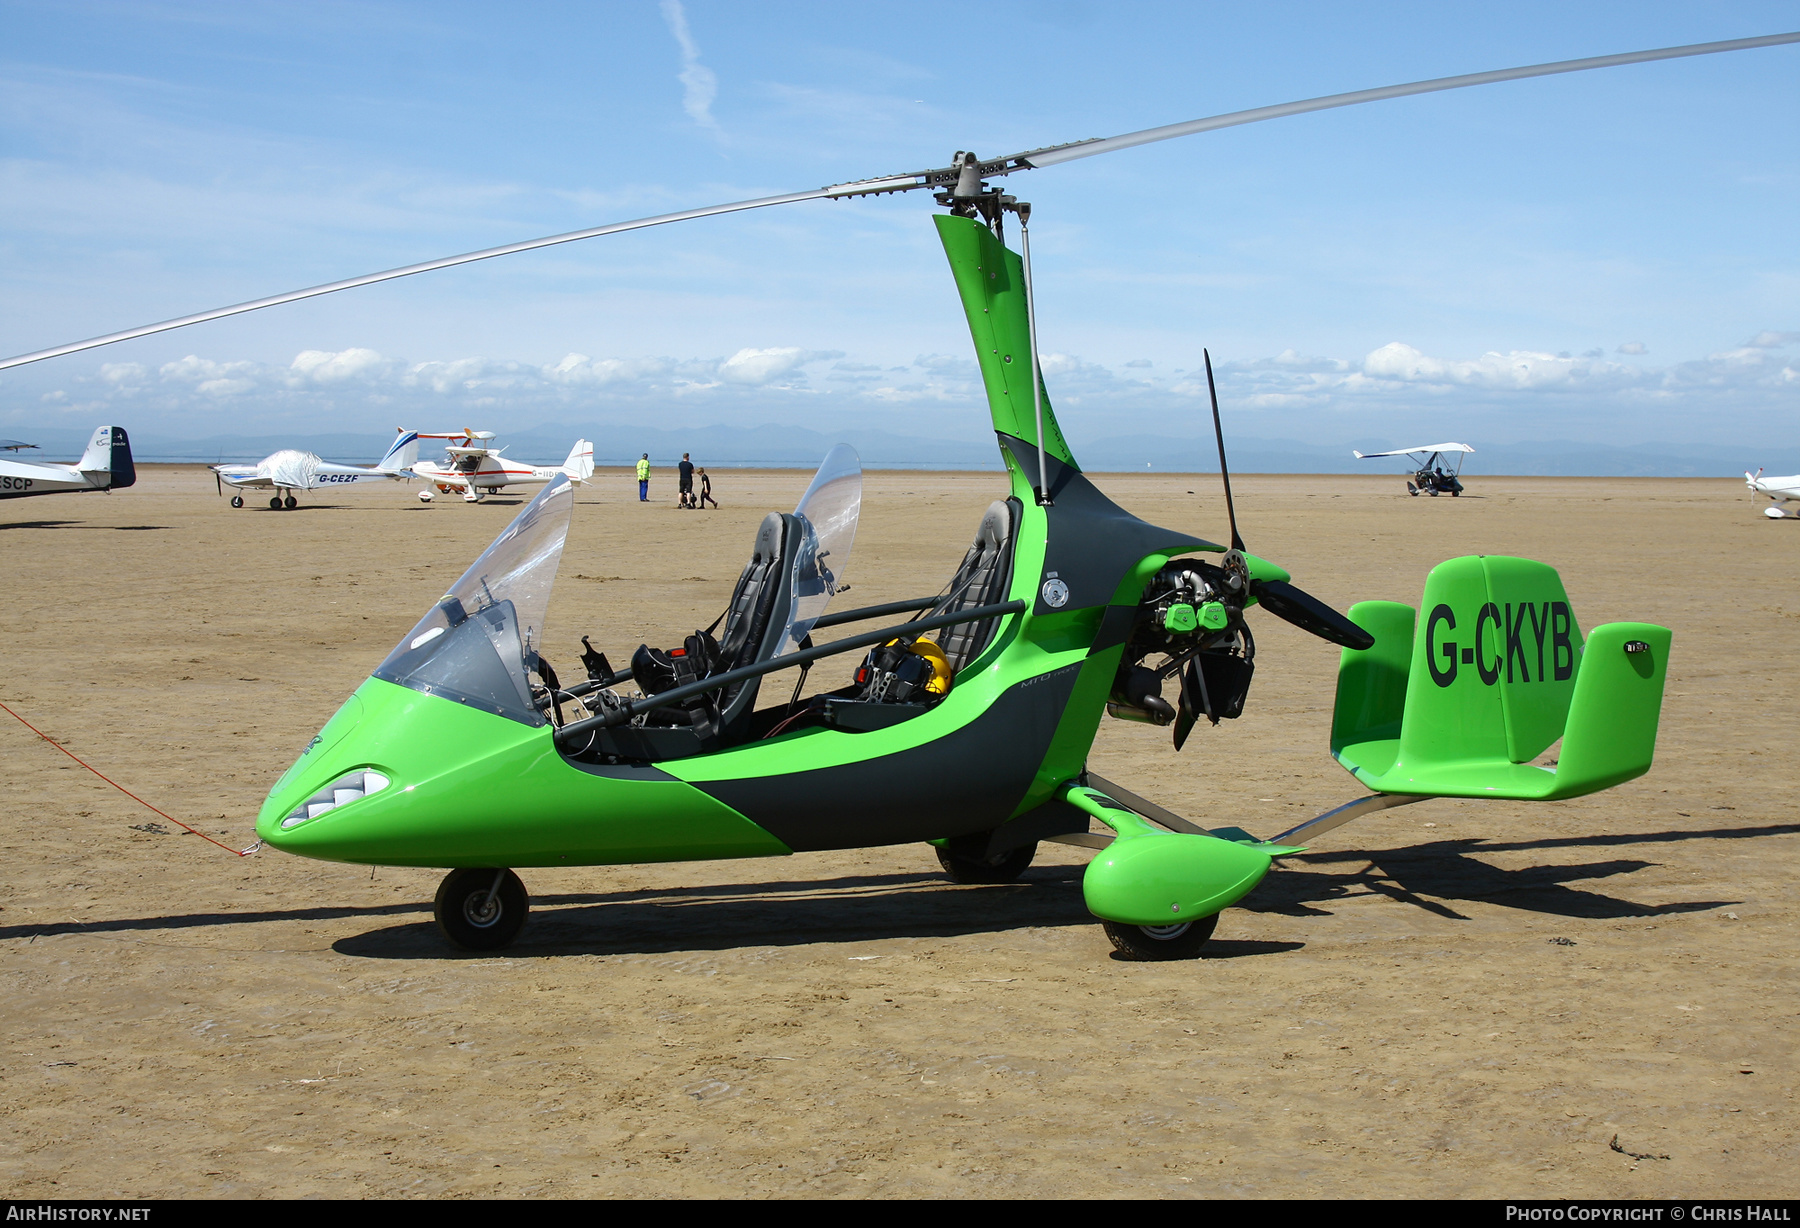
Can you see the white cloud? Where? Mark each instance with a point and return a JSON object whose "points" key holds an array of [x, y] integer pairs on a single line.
{"points": [[761, 366], [699, 85], [1634, 347], [1289, 391], [1771, 341], [324, 367], [1517, 369]]}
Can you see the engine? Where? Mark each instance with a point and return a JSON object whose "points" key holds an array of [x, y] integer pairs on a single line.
{"points": [[1189, 626]]}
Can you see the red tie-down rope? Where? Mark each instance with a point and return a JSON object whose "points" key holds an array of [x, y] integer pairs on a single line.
{"points": [[121, 788]]}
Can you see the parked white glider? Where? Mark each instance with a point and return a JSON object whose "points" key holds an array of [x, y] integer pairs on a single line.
{"points": [[477, 470], [106, 465], [1782, 490], [1429, 473], [290, 470]]}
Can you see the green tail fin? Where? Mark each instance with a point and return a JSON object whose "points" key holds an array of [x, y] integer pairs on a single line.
{"points": [[1494, 673]]}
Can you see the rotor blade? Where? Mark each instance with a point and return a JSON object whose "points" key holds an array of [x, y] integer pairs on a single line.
{"points": [[1086, 149], [368, 279], [944, 177], [1308, 613]]}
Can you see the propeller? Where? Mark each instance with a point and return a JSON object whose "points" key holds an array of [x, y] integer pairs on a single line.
{"points": [[959, 184], [1278, 597]]}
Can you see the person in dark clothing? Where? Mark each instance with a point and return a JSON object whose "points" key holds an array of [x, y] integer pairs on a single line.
{"points": [[686, 471], [705, 492]]}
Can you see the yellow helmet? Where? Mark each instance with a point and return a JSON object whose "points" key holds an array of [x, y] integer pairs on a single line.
{"points": [[940, 665]]}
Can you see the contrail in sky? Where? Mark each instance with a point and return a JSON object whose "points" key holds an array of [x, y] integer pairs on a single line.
{"points": [[699, 85]]}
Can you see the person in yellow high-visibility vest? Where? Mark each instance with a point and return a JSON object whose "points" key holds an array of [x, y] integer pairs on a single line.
{"points": [[643, 475]]}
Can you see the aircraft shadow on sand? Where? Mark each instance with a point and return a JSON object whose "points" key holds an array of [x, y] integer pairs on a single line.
{"points": [[740, 915], [77, 524], [732, 916], [1441, 870]]}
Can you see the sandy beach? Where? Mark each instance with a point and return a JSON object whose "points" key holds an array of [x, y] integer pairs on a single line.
{"points": [[1452, 999]]}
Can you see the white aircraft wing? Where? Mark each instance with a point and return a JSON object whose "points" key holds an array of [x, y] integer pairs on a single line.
{"points": [[1424, 447]]}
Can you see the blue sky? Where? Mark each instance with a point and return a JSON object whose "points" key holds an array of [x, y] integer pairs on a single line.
{"points": [[1604, 257]]}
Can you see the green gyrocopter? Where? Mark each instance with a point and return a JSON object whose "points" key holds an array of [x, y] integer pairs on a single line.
{"points": [[966, 717]]}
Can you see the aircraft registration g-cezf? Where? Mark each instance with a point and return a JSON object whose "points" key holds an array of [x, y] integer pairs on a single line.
{"points": [[290, 469], [106, 465]]}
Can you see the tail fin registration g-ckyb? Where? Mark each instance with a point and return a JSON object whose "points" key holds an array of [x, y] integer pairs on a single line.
{"points": [[1457, 699]]}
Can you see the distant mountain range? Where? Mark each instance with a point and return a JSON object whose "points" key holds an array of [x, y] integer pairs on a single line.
{"points": [[771, 446]]}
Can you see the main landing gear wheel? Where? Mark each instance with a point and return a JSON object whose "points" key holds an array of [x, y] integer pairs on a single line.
{"points": [[1161, 941], [237, 500], [963, 860], [481, 910], [292, 503], [275, 504]]}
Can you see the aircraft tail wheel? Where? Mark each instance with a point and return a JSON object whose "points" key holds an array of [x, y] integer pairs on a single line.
{"points": [[275, 504], [481, 910], [292, 503], [237, 500], [963, 861], [1161, 941]]}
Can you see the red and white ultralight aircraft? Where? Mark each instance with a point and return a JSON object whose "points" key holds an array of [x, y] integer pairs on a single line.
{"points": [[478, 470]]}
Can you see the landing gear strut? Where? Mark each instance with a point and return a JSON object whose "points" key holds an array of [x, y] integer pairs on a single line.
{"points": [[965, 861], [481, 910]]}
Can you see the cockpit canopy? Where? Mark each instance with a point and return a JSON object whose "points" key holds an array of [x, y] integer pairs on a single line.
{"points": [[477, 644]]}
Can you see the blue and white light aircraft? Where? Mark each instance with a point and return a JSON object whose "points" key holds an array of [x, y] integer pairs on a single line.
{"points": [[291, 470], [106, 465]]}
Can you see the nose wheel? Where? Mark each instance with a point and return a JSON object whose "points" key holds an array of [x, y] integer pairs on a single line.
{"points": [[481, 910], [1151, 942], [237, 500]]}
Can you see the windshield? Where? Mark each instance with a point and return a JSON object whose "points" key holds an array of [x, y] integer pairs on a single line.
{"points": [[477, 643], [827, 514]]}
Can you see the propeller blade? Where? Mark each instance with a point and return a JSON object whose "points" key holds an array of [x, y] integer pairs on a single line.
{"points": [[1237, 543], [1308, 613], [963, 178], [1190, 703]]}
